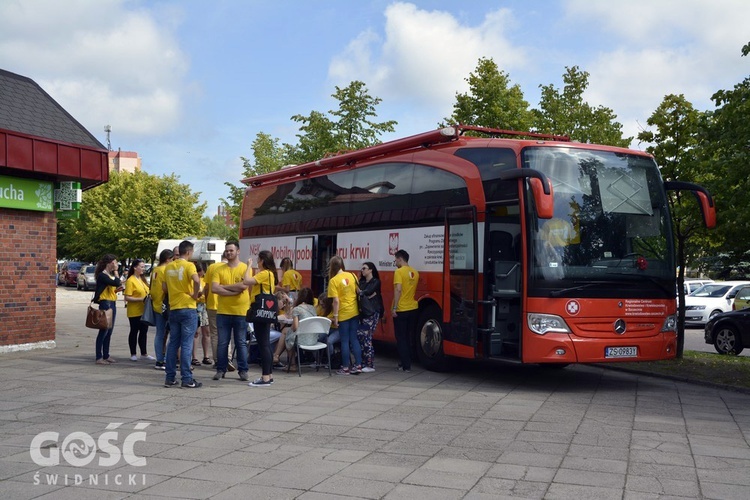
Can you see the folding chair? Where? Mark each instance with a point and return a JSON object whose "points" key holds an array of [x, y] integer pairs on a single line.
{"points": [[306, 339]]}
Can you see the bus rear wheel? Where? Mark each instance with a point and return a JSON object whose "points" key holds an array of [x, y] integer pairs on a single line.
{"points": [[429, 341]]}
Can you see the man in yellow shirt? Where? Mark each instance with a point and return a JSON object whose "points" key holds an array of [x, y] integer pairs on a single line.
{"points": [[233, 303], [404, 308], [212, 304], [182, 286]]}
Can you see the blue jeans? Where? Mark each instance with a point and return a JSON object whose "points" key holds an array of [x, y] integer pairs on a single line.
{"points": [[231, 326], [182, 326], [161, 330], [330, 339], [104, 336], [348, 332]]}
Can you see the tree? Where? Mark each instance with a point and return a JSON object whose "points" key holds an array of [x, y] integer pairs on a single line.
{"points": [[491, 101], [566, 113], [351, 126], [268, 156], [727, 145], [216, 226], [676, 142], [128, 216]]}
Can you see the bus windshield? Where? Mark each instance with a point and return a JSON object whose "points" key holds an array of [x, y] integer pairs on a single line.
{"points": [[610, 221]]}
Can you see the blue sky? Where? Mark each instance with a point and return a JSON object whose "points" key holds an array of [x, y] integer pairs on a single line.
{"points": [[188, 84]]}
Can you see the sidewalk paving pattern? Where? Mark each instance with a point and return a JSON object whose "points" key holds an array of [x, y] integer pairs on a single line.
{"points": [[484, 431]]}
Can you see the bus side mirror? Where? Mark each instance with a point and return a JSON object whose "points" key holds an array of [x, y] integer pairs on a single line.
{"points": [[705, 201], [541, 189], [545, 202]]}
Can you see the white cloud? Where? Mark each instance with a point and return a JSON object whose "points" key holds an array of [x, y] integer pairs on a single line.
{"points": [[102, 61], [425, 55]]}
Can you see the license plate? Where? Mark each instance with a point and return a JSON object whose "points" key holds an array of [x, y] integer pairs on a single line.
{"points": [[620, 352]]}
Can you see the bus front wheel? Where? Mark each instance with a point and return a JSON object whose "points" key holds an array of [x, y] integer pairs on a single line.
{"points": [[429, 341]]}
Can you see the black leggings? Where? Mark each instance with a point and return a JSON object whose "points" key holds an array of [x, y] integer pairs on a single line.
{"points": [[263, 337], [139, 332]]}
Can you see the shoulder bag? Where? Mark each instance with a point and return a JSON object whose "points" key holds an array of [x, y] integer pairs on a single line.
{"points": [[148, 316], [98, 319], [366, 305], [265, 309]]}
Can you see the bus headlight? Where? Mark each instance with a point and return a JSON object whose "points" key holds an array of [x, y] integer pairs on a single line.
{"points": [[545, 323], [670, 324]]}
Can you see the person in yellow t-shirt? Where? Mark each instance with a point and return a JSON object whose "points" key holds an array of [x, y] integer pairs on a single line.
{"points": [[343, 289], [107, 285], [404, 310], [157, 297], [291, 279], [202, 334], [182, 285], [212, 304], [136, 291], [233, 303], [263, 281]]}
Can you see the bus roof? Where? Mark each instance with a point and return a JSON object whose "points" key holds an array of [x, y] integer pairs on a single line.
{"points": [[423, 140]]}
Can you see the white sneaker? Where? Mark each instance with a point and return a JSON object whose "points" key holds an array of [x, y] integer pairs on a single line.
{"points": [[134, 358], [148, 357], [367, 369]]}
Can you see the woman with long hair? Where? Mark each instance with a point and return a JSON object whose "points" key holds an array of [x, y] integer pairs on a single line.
{"points": [[107, 285], [157, 297], [264, 281], [369, 286], [342, 287], [136, 291]]}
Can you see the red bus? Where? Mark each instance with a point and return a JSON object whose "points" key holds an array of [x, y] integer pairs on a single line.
{"points": [[530, 248]]}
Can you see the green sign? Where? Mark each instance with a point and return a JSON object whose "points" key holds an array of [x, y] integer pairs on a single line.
{"points": [[25, 194]]}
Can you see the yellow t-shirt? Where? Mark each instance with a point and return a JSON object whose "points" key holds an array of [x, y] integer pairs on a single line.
{"points": [[293, 280], [157, 294], [212, 300], [263, 279], [235, 305], [135, 287], [179, 278], [344, 286], [202, 298], [109, 293], [408, 277]]}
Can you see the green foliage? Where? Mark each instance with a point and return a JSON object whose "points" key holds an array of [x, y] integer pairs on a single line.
{"points": [[128, 216], [727, 153], [491, 101], [566, 113], [217, 227], [675, 145], [351, 126]]}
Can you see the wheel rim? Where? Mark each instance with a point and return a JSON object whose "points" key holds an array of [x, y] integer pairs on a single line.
{"points": [[725, 340], [431, 338]]}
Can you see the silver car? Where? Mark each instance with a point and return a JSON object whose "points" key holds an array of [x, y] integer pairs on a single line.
{"points": [[86, 280]]}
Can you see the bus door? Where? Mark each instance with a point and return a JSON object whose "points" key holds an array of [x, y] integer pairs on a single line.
{"points": [[324, 250], [460, 276], [502, 272]]}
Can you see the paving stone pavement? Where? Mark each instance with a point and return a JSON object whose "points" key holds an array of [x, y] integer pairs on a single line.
{"points": [[483, 431]]}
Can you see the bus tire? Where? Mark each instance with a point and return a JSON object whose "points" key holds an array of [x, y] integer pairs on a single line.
{"points": [[429, 340]]}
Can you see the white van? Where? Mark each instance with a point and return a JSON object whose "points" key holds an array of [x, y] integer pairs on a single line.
{"points": [[692, 284], [208, 250]]}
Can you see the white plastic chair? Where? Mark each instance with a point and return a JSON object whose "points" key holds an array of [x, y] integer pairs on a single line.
{"points": [[306, 339]]}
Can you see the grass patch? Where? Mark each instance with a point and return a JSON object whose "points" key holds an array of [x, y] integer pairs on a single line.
{"points": [[698, 366]]}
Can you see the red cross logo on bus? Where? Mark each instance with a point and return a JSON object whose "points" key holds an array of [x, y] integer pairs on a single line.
{"points": [[573, 307]]}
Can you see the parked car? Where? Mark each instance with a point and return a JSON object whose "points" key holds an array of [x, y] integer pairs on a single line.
{"points": [[729, 332], [692, 284], [742, 300], [68, 275], [710, 300], [86, 280]]}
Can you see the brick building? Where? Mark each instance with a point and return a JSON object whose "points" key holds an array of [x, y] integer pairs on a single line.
{"points": [[40, 145]]}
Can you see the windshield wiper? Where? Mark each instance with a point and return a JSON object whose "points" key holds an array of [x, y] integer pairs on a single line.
{"points": [[558, 293]]}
